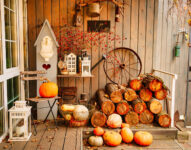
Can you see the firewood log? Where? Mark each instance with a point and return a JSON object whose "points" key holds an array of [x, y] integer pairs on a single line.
{"points": [[146, 117], [161, 94], [107, 106], [145, 94], [135, 84], [138, 105], [155, 85], [130, 94], [114, 92], [122, 107], [154, 106], [98, 119], [163, 119], [132, 118], [152, 82]]}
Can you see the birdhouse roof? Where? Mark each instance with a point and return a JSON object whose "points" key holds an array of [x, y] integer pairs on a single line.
{"points": [[46, 24]]}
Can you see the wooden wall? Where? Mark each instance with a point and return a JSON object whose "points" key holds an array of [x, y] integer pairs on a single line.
{"points": [[145, 25], [163, 55]]}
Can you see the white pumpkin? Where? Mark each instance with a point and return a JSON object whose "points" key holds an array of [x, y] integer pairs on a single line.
{"points": [[114, 121], [95, 140], [80, 113]]}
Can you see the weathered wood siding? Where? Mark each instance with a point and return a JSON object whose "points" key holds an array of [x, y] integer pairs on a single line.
{"points": [[166, 29], [145, 25]]}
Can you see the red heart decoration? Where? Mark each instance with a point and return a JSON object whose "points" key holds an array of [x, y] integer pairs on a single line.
{"points": [[46, 66]]}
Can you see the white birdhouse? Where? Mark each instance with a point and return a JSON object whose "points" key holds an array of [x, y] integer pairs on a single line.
{"points": [[46, 43], [86, 66], [20, 122], [71, 63]]}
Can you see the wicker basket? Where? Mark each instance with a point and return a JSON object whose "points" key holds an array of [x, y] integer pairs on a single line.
{"points": [[75, 123]]}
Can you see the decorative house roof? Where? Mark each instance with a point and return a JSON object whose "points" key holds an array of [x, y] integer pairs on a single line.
{"points": [[71, 54], [46, 24]]}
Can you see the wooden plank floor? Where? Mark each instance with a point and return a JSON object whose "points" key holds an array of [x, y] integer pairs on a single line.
{"points": [[64, 138], [49, 138]]}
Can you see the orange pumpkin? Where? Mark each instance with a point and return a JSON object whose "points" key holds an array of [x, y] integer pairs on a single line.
{"points": [[143, 138], [48, 89], [112, 138], [98, 131], [125, 125], [127, 135]]}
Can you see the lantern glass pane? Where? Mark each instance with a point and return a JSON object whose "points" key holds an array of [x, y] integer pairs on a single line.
{"points": [[86, 69], [2, 122], [29, 124], [18, 127]]}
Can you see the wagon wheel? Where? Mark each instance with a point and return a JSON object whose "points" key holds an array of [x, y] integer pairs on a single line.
{"points": [[122, 64]]}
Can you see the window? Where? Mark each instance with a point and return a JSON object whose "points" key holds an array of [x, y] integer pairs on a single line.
{"points": [[9, 60]]}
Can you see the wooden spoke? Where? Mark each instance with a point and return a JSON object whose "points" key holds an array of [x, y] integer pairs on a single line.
{"points": [[129, 72], [125, 76], [134, 69], [132, 64]]}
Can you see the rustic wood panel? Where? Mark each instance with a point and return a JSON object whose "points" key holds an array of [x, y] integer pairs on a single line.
{"points": [[145, 26]]}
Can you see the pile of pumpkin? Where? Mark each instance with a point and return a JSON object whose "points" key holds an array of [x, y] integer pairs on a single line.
{"points": [[139, 101], [76, 115], [113, 138]]}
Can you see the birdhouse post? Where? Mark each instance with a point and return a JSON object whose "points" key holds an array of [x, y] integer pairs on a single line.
{"points": [[46, 55]]}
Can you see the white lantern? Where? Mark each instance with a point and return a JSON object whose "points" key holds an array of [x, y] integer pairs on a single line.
{"points": [[86, 66], [71, 63], [20, 122]]}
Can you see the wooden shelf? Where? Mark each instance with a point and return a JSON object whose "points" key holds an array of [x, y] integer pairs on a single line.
{"points": [[73, 76]]}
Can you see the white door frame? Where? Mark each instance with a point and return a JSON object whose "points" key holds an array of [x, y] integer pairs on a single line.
{"points": [[11, 72]]}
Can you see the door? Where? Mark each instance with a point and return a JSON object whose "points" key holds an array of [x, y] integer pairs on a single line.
{"points": [[10, 56]]}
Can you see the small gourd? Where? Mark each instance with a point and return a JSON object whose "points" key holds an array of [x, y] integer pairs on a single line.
{"points": [[95, 140], [80, 113], [114, 121]]}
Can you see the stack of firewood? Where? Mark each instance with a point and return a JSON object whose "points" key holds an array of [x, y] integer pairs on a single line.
{"points": [[137, 102]]}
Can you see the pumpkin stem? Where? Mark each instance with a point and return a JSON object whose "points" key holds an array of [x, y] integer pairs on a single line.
{"points": [[46, 79]]}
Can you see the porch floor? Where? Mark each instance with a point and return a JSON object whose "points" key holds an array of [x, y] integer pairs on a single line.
{"points": [[65, 138]]}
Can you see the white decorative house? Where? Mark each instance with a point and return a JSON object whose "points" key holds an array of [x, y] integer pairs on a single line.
{"points": [[71, 63], [46, 54], [20, 122]]}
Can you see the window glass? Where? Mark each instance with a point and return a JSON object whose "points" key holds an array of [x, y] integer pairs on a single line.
{"points": [[2, 121], [7, 24], [1, 51], [12, 91], [7, 3], [11, 33], [1, 110], [1, 95]]}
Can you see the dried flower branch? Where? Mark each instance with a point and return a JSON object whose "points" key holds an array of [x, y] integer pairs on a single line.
{"points": [[72, 39]]}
